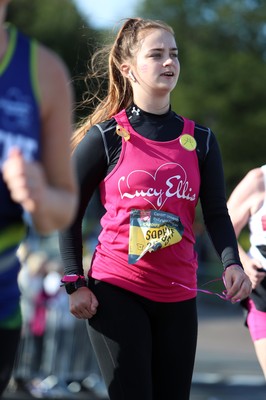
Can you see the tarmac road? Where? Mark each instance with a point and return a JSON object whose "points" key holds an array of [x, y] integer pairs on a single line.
{"points": [[226, 366]]}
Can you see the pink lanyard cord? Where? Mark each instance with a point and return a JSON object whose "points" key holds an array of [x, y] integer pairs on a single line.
{"points": [[222, 295]]}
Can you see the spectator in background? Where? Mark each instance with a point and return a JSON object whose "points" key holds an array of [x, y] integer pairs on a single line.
{"points": [[45, 327], [247, 206], [43, 368], [36, 176]]}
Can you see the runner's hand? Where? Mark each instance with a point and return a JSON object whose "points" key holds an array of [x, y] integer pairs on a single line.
{"points": [[237, 283], [83, 303]]}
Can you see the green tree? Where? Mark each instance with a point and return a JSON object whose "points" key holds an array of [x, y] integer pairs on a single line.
{"points": [[222, 46], [58, 25]]}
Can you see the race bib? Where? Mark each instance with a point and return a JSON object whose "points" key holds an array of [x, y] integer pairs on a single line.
{"points": [[151, 230]]}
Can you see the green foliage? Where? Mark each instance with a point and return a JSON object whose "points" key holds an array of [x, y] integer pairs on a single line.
{"points": [[222, 47], [58, 25], [244, 239]]}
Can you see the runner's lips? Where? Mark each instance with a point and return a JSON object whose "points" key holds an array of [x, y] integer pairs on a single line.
{"points": [[168, 73]]}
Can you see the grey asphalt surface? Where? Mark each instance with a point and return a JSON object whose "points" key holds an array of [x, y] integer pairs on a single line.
{"points": [[226, 367]]}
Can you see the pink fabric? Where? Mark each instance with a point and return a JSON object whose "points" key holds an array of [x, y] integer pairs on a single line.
{"points": [[149, 175], [38, 322], [256, 321]]}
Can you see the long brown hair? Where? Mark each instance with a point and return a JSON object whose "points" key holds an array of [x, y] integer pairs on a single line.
{"points": [[119, 94]]}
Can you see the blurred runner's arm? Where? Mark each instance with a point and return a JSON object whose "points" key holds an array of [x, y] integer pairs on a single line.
{"points": [[60, 195], [47, 189], [241, 206]]}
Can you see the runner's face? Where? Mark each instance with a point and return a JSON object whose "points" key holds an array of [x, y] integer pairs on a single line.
{"points": [[156, 65]]}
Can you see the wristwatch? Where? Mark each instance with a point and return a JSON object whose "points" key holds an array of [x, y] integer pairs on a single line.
{"points": [[73, 282]]}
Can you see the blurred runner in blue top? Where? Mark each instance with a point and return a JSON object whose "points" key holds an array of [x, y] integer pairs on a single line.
{"points": [[36, 176]]}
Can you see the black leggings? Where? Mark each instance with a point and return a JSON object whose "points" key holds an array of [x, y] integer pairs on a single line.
{"points": [[145, 349], [9, 341]]}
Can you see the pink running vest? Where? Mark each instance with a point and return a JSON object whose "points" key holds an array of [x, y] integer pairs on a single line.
{"points": [[150, 175]]}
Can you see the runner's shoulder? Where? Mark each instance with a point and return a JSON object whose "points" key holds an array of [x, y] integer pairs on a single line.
{"points": [[204, 138]]}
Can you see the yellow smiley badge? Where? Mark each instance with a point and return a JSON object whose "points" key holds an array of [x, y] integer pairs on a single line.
{"points": [[122, 132], [188, 142]]}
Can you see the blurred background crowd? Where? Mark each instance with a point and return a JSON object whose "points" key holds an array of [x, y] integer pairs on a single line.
{"points": [[49, 361]]}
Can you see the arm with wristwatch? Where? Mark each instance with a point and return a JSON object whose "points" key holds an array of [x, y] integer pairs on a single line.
{"points": [[73, 282]]}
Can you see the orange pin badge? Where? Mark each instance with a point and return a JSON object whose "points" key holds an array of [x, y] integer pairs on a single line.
{"points": [[188, 142], [122, 132]]}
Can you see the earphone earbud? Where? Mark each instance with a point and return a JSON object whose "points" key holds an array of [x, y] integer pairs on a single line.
{"points": [[132, 77]]}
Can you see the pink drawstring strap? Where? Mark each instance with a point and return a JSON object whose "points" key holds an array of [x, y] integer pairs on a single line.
{"points": [[222, 295]]}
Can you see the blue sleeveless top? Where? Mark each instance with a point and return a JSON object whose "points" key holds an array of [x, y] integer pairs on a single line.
{"points": [[19, 127]]}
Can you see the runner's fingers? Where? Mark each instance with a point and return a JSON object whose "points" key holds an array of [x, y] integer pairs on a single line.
{"points": [[243, 291], [83, 312]]}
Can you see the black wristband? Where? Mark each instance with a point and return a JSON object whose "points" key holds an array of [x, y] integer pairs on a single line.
{"points": [[71, 287]]}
